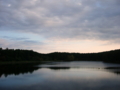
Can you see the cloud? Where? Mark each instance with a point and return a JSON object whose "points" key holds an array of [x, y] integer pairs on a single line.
{"points": [[62, 19], [14, 38], [22, 43]]}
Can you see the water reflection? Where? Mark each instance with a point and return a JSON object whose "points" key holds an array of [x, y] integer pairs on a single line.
{"points": [[30, 68], [59, 68], [6, 70], [109, 67], [115, 70], [61, 76]]}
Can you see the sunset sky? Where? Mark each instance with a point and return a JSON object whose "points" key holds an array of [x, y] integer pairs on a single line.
{"points": [[60, 25]]}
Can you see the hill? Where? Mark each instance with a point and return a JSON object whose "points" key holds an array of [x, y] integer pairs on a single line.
{"points": [[8, 55]]}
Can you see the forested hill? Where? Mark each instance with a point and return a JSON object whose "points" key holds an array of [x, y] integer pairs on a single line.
{"points": [[30, 55]]}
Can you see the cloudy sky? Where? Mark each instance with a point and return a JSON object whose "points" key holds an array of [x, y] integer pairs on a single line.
{"points": [[60, 25]]}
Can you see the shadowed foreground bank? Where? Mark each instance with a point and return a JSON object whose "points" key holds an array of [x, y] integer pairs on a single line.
{"points": [[21, 56]]}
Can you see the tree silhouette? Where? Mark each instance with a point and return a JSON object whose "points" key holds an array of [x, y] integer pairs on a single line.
{"points": [[14, 55]]}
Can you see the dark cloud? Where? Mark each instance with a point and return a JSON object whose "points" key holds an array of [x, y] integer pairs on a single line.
{"points": [[14, 38], [25, 41], [22, 44], [28, 42], [74, 19]]}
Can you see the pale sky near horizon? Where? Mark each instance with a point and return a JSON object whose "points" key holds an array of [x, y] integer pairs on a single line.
{"points": [[46, 26]]}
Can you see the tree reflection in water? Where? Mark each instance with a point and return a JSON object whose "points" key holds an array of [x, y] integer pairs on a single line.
{"points": [[17, 69]]}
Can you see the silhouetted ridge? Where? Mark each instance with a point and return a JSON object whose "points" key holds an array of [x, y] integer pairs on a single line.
{"points": [[7, 55]]}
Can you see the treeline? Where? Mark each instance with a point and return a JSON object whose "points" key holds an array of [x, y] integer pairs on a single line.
{"points": [[30, 55], [19, 55], [108, 56]]}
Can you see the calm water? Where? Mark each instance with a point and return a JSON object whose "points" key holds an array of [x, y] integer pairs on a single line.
{"points": [[61, 76]]}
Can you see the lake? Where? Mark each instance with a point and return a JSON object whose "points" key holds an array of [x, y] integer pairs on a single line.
{"points": [[75, 75]]}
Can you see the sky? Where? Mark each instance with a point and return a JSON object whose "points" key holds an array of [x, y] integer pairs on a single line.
{"points": [[45, 26]]}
